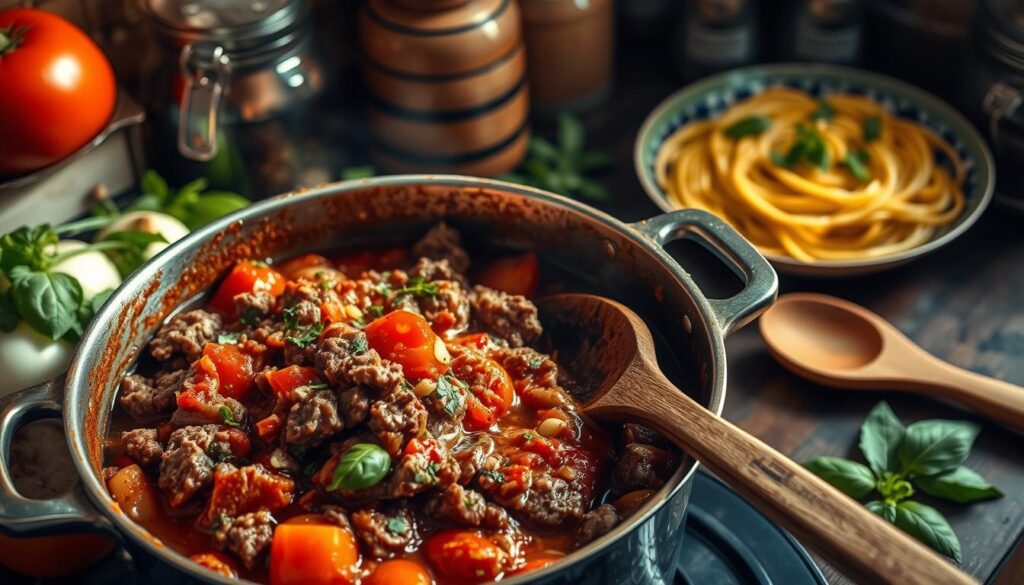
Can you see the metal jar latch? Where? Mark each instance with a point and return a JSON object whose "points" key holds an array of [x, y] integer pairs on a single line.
{"points": [[1000, 102], [206, 70]]}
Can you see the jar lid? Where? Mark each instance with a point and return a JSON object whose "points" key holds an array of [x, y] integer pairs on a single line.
{"points": [[233, 24]]}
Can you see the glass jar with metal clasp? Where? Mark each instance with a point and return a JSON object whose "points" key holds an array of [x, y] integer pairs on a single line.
{"points": [[232, 98], [993, 91]]}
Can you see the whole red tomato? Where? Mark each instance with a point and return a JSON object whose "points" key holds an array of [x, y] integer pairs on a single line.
{"points": [[58, 90]]}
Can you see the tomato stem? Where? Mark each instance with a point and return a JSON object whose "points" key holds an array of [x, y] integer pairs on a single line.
{"points": [[10, 38]]}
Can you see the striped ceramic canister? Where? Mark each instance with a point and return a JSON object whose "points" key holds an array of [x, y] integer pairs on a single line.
{"points": [[447, 84]]}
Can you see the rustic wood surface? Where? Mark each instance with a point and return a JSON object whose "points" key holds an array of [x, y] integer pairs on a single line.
{"points": [[964, 304]]}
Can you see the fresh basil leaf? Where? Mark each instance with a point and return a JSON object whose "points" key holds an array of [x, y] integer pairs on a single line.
{"points": [[872, 128], [593, 190], [358, 344], [363, 465], [9, 317], [855, 163], [146, 202], [825, 111], [228, 338], [419, 287], [307, 337], [540, 148], [193, 187], [962, 485], [594, 161], [397, 525], [570, 135], [133, 255], [88, 310], [360, 172], [749, 126], [880, 436], [933, 446], [376, 311], [929, 526], [228, 417], [211, 206], [47, 301], [29, 247], [100, 299], [850, 477], [894, 487], [449, 393], [886, 510], [153, 184]]}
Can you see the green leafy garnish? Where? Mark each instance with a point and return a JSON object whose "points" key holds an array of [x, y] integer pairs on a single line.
{"points": [[307, 337], [808, 146], [825, 111], [191, 204], [928, 457], [360, 172], [228, 338], [317, 386], [749, 126], [495, 476], [856, 161], [448, 393], [359, 344], [47, 301], [376, 310], [289, 317], [129, 259], [397, 525], [228, 417], [363, 465], [566, 168], [250, 317], [418, 287], [872, 128]]}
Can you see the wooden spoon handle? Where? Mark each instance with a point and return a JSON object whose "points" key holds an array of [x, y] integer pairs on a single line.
{"points": [[993, 398], [846, 534]]}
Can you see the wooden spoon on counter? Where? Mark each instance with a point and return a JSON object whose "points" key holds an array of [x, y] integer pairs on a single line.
{"points": [[837, 343], [611, 349]]}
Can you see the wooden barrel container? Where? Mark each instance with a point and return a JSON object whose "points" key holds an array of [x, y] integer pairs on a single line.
{"points": [[447, 84]]}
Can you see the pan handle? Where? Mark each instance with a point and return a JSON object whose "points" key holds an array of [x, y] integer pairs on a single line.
{"points": [[761, 284], [21, 516]]}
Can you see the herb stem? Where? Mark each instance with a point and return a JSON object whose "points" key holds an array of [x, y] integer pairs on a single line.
{"points": [[83, 225]]}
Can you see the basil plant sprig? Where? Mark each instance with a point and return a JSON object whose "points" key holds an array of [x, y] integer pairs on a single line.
{"points": [[926, 456], [192, 204]]}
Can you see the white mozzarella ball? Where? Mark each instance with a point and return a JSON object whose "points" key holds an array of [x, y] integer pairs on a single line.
{"points": [[28, 358], [148, 221]]}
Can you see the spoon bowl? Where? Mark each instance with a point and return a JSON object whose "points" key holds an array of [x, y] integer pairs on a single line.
{"points": [[838, 343], [611, 350]]}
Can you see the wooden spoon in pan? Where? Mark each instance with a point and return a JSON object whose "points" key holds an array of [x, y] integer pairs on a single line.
{"points": [[611, 349]]}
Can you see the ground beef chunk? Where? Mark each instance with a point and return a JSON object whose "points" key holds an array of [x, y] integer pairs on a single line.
{"points": [[397, 419], [535, 376], [381, 535], [637, 433], [471, 458], [143, 398], [462, 507], [430, 269], [313, 419], [344, 360], [210, 413], [354, 405], [184, 470], [416, 473], [595, 523], [511, 317], [551, 502], [443, 243], [186, 333], [248, 536], [142, 446], [337, 515], [253, 306], [642, 466], [448, 309]]}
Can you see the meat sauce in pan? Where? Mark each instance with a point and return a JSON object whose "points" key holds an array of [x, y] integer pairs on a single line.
{"points": [[371, 418]]}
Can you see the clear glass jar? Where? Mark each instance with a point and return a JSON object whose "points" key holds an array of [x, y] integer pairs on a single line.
{"points": [[236, 84]]}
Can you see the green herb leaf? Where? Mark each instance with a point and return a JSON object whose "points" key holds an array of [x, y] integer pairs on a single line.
{"points": [[317, 386], [872, 128], [929, 526], [153, 184], [363, 465], [419, 287], [448, 392], [852, 478], [359, 344], [251, 317], [228, 338], [593, 190], [855, 161], [825, 111], [540, 148], [376, 310], [880, 436], [960, 485], [48, 301], [88, 310], [933, 446], [495, 476], [397, 525], [210, 206], [589, 162], [360, 172], [749, 126], [133, 255], [886, 510], [307, 338], [570, 135], [29, 247], [228, 417], [894, 487]]}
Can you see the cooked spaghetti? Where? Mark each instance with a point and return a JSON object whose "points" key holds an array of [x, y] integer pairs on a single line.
{"points": [[832, 179]]}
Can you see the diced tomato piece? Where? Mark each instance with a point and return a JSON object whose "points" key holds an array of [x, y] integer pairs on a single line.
{"points": [[285, 380], [134, 494], [355, 263], [428, 446], [516, 275], [481, 342], [268, 428], [216, 562], [465, 556], [490, 385], [399, 572], [543, 446], [239, 442], [332, 313], [235, 369], [246, 277], [407, 339], [200, 392], [313, 554], [291, 268], [536, 563], [246, 489]]}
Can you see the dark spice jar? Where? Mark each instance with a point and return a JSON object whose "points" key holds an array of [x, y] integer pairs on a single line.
{"points": [[994, 90], [236, 83], [447, 84]]}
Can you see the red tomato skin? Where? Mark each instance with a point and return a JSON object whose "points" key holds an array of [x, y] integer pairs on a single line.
{"points": [[59, 92], [399, 572], [465, 556], [246, 277], [407, 339], [312, 554], [216, 562], [287, 379], [515, 275], [235, 369]]}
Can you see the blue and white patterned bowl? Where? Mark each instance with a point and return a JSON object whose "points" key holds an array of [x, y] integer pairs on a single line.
{"points": [[712, 96]]}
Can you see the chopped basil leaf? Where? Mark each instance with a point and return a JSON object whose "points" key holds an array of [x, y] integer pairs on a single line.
{"points": [[359, 344], [228, 417], [318, 386], [251, 317], [308, 337], [528, 436], [856, 162], [448, 393], [419, 287], [326, 285], [749, 126], [397, 525], [535, 363], [495, 476], [290, 318], [825, 111], [376, 310], [363, 465], [808, 146], [228, 338], [872, 128]]}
